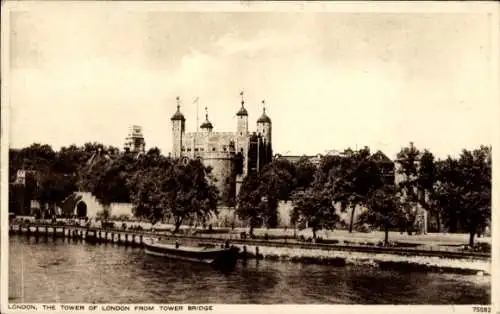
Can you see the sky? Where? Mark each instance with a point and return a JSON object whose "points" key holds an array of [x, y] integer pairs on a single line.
{"points": [[330, 80]]}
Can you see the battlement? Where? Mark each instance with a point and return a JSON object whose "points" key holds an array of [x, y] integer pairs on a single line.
{"points": [[223, 133], [219, 155], [223, 151]]}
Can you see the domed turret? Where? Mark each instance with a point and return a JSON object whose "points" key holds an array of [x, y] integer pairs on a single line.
{"points": [[242, 117], [264, 126], [207, 125], [242, 112], [178, 116], [264, 118]]}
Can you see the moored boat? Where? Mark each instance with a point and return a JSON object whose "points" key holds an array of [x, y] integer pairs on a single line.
{"points": [[206, 254], [91, 236]]}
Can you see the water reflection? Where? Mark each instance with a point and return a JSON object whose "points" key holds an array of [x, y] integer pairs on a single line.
{"points": [[63, 270]]}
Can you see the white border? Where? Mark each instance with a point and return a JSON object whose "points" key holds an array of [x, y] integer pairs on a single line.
{"points": [[247, 6]]}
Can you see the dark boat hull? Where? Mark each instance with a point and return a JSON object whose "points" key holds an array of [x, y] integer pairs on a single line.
{"points": [[91, 237], [226, 257]]}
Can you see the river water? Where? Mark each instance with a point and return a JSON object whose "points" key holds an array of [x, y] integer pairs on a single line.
{"points": [[67, 271]]}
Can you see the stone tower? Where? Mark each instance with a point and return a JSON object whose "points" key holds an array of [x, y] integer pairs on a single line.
{"points": [[242, 144], [242, 116], [135, 140], [264, 130], [178, 128], [264, 125]]}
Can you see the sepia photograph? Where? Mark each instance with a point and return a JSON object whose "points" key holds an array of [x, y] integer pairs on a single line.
{"points": [[184, 156]]}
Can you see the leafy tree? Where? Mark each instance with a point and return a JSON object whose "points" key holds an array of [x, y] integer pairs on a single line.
{"points": [[408, 171], [174, 189], [352, 179], [55, 188], [277, 181], [385, 209], [464, 190], [304, 171], [107, 175], [190, 192], [447, 198], [251, 207], [426, 182], [315, 208], [147, 187], [37, 157]]}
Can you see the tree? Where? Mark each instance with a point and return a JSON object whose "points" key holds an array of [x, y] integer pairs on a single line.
{"points": [[408, 171], [277, 181], [37, 157], [54, 188], [106, 175], [251, 207], [446, 193], [426, 182], [190, 192], [314, 207], [174, 189], [352, 180], [304, 171], [385, 209], [464, 190], [54, 174]]}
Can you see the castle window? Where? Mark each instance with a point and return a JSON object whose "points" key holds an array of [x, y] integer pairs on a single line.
{"points": [[241, 149], [202, 149], [241, 133], [224, 148], [189, 149], [196, 149], [183, 149], [213, 149]]}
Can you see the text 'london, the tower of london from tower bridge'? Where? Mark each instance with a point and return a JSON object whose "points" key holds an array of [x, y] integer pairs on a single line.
{"points": [[231, 155]]}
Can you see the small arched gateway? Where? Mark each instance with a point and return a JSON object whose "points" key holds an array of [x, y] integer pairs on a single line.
{"points": [[81, 210]]}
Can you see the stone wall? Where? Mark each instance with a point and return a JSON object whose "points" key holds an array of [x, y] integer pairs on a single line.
{"points": [[223, 170]]}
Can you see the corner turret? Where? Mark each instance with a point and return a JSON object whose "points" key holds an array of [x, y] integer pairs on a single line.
{"points": [[264, 124], [242, 116], [178, 128]]}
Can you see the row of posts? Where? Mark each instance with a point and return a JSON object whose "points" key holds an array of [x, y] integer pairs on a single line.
{"points": [[95, 236]]}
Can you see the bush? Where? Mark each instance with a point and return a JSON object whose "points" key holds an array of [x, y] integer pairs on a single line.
{"points": [[483, 247]]}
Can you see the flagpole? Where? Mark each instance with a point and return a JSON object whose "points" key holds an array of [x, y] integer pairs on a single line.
{"points": [[197, 115]]}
